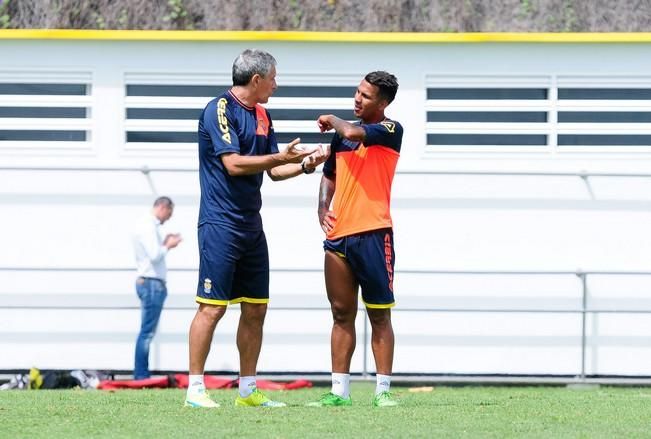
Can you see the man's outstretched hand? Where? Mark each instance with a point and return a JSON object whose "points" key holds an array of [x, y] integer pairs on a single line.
{"points": [[294, 153], [318, 156]]}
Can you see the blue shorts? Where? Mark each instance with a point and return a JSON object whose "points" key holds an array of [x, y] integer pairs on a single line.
{"points": [[233, 266], [371, 258]]}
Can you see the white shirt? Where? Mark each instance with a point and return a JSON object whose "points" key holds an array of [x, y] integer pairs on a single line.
{"points": [[149, 249]]}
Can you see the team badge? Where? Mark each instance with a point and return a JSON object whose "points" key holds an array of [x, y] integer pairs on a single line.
{"points": [[390, 126], [207, 285]]}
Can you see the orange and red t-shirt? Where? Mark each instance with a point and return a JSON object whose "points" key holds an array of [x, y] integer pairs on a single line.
{"points": [[363, 173]]}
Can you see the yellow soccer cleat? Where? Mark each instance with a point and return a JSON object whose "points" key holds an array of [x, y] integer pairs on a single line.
{"points": [[257, 399], [200, 400]]}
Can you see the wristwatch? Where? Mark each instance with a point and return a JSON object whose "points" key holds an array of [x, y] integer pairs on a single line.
{"points": [[306, 170]]}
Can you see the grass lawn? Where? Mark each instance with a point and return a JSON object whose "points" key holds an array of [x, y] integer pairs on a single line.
{"points": [[484, 412]]}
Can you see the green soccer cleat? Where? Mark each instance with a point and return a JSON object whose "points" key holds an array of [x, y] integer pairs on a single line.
{"points": [[257, 399], [200, 400], [331, 400], [384, 399]]}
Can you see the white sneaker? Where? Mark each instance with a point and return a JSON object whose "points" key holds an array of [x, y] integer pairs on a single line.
{"points": [[201, 399]]}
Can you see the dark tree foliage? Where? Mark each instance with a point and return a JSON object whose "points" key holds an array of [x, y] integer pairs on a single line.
{"points": [[333, 15]]}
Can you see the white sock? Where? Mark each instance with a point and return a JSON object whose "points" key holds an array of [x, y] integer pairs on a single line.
{"points": [[195, 384], [383, 383], [247, 386], [341, 384]]}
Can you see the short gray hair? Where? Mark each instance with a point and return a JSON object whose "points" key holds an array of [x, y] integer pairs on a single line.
{"points": [[251, 62]]}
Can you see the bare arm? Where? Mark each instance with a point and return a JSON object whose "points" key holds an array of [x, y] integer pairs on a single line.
{"points": [[345, 129], [326, 192], [310, 162], [238, 165], [284, 172]]}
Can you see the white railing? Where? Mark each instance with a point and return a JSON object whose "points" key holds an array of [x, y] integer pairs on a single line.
{"points": [[584, 310]]}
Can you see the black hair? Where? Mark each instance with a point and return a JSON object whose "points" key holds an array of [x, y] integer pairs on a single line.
{"points": [[385, 82]]}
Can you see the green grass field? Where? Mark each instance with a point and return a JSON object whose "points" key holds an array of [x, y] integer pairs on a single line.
{"points": [[551, 412]]}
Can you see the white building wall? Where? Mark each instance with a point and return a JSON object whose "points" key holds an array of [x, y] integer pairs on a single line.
{"points": [[67, 297]]}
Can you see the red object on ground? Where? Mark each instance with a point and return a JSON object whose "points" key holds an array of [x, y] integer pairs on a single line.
{"points": [[148, 383], [273, 385], [212, 382]]}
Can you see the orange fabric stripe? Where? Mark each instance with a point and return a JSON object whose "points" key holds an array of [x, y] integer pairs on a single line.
{"points": [[363, 190], [262, 124]]}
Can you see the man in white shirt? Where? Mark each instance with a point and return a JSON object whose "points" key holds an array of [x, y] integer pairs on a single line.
{"points": [[151, 249]]}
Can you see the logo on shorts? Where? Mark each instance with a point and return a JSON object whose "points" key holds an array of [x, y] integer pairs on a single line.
{"points": [[388, 253], [207, 285]]}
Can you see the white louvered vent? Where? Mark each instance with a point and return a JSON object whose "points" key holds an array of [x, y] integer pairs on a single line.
{"points": [[561, 114], [487, 113], [162, 110], [604, 114], [45, 112]]}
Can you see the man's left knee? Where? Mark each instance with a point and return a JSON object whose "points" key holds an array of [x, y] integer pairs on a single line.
{"points": [[254, 312], [379, 317]]}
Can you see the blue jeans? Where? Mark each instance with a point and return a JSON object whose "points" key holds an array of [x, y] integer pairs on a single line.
{"points": [[152, 294]]}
